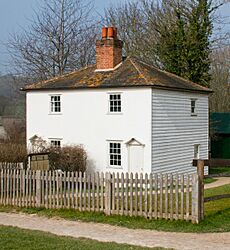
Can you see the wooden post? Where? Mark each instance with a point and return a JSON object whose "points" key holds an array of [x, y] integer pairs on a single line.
{"points": [[38, 188], [200, 172]]}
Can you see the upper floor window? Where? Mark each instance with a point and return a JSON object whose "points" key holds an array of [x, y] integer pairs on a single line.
{"points": [[193, 107], [115, 154], [55, 103], [115, 103]]}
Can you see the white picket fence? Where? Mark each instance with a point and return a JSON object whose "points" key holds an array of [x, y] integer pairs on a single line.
{"points": [[151, 196], [11, 165]]}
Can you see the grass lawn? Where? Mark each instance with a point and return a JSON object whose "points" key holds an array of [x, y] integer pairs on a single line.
{"points": [[217, 216], [219, 170], [209, 180], [20, 239]]}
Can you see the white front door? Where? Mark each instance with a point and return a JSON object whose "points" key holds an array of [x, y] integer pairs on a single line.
{"points": [[136, 158]]}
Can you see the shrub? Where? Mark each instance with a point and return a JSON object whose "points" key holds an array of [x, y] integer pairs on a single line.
{"points": [[68, 158], [12, 153]]}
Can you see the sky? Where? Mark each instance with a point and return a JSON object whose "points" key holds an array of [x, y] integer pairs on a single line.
{"points": [[15, 14]]}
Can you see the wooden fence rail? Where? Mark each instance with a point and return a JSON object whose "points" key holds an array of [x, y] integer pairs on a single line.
{"points": [[150, 195]]}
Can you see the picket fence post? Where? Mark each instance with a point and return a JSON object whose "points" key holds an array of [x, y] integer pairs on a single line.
{"points": [[108, 194], [195, 199], [38, 188]]}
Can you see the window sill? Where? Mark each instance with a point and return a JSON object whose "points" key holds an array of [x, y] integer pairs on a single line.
{"points": [[55, 113], [114, 113], [113, 167]]}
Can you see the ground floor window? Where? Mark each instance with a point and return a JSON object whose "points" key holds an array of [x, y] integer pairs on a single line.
{"points": [[114, 154], [196, 151], [56, 143]]}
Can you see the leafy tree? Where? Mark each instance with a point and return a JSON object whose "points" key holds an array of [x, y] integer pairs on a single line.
{"points": [[171, 43], [184, 39], [198, 43]]}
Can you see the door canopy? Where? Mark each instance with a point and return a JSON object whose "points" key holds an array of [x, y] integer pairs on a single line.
{"points": [[134, 142]]}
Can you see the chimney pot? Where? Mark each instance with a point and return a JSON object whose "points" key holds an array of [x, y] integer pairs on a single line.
{"points": [[104, 32], [110, 32]]}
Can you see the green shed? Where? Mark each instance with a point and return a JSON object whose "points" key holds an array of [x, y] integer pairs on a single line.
{"points": [[220, 143]]}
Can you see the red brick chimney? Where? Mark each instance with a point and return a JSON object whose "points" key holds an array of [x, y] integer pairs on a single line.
{"points": [[108, 49]]}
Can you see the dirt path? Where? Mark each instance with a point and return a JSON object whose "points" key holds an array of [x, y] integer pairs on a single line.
{"points": [[107, 233], [220, 182]]}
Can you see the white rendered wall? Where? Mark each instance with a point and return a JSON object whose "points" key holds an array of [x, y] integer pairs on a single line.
{"points": [[85, 120], [175, 131]]}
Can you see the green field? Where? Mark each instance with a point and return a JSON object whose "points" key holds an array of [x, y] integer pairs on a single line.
{"points": [[209, 180], [219, 170]]}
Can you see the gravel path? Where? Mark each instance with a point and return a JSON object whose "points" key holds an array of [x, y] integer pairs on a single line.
{"points": [[220, 182], [107, 233]]}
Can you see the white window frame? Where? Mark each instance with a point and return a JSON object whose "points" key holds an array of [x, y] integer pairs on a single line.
{"points": [[53, 140], [51, 103], [193, 107], [115, 153], [196, 150], [118, 100]]}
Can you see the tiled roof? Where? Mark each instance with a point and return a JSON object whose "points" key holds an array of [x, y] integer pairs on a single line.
{"points": [[131, 73]]}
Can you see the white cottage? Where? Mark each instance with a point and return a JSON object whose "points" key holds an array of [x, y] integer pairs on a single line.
{"points": [[130, 116]]}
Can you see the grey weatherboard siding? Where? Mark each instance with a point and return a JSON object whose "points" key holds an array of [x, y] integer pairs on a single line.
{"points": [[175, 131]]}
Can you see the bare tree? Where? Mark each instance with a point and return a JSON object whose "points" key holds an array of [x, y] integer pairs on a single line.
{"points": [[140, 23], [60, 39], [131, 22], [220, 84]]}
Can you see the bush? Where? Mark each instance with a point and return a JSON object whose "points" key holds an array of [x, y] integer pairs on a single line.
{"points": [[68, 158], [12, 152]]}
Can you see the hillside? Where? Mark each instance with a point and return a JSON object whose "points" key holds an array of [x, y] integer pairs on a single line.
{"points": [[12, 100]]}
